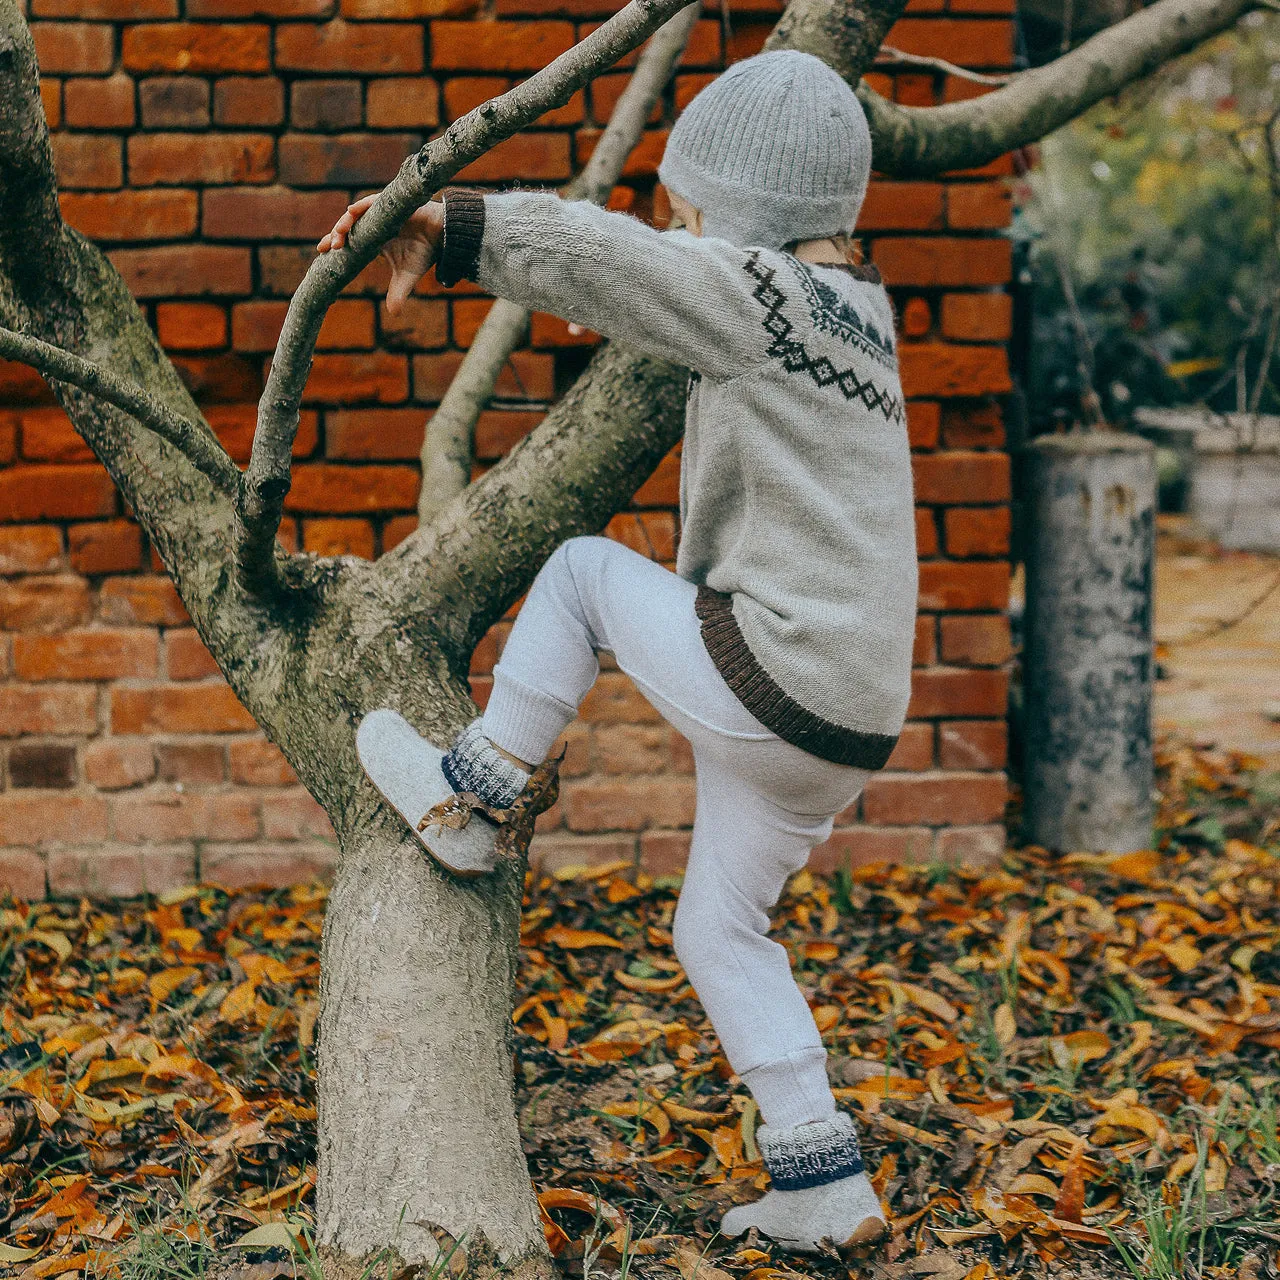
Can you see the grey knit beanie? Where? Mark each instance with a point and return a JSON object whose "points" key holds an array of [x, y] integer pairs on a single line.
{"points": [[774, 150]]}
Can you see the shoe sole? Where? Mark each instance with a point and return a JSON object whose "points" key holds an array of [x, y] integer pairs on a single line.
{"points": [[405, 768]]}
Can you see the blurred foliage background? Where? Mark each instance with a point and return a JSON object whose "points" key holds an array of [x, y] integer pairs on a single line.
{"points": [[1151, 230]]}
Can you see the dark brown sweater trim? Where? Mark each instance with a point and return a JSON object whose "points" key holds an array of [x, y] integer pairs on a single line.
{"points": [[775, 709], [463, 234]]}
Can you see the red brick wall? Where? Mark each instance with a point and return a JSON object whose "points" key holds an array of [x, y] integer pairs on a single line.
{"points": [[206, 144]]}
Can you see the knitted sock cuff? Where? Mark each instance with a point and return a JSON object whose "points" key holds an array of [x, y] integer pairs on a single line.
{"points": [[477, 766], [810, 1155]]}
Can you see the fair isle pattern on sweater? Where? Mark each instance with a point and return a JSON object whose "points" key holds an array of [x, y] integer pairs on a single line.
{"points": [[795, 356]]}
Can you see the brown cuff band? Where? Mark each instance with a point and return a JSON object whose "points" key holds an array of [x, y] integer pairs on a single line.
{"points": [[463, 234], [773, 706]]}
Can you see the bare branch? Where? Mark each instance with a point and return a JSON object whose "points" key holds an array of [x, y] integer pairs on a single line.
{"points": [[268, 476], [845, 34], [199, 447], [919, 141], [888, 56], [449, 445]]}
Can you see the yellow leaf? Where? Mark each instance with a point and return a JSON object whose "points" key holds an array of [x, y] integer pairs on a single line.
{"points": [[271, 1235], [163, 984], [238, 1002], [58, 943], [1006, 1025], [1134, 866], [574, 939]]}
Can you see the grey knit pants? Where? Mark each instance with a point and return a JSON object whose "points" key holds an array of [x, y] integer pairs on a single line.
{"points": [[762, 804]]}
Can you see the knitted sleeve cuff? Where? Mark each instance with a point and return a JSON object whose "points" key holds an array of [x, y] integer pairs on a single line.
{"points": [[463, 234]]}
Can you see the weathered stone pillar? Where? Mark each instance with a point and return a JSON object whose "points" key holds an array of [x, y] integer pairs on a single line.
{"points": [[1087, 660]]}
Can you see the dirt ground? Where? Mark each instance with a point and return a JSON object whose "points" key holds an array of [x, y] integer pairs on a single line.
{"points": [[1221, 676]]}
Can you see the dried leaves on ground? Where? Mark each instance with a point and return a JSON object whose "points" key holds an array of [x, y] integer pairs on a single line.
{"points": [[1060, 1066]]}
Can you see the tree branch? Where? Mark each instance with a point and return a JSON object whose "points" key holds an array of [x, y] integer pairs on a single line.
{"points": [[449, 445], [920, 141], [268, 475], [194, 441]]}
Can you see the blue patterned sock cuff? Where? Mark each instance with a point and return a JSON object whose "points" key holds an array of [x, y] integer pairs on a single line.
{"points": [[811, 1155], [477, 766]]}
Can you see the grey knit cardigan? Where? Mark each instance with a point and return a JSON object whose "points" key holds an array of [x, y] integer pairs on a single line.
{"points": [[796, 507]]}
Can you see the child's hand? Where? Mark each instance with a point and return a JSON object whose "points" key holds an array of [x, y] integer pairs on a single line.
{"points": [[410, 254]]}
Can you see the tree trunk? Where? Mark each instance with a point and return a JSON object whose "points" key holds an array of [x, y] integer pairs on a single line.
{"points": [[417, 1123]]}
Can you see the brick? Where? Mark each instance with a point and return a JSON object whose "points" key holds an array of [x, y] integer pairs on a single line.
{"points": [[348, 159], [191, 763], [924, 645], [861, 846], [186, 657], [973, 584], [923, 419], [153, 817], [960, 89], [973, 426], [916, 318], [78, 48], [349, 48], [468, 315], [961, 476], [35, 548], [99, 104], [363, 10], [275, 866], [260, 8], [943, 691], [268, 213], [977, 531], [22, 875], [256, 325], [169, 159], [224, 378], [106, 546], [914, 751], [972, 42], [499, 430], [88, 160], [41, 603], [37, 820], [915, 88], [396, 530], [87, 654], [613, 699], [979, 205], [248, 100], [44, 765], [376, 375], [926, 532], [196, 48], [53, 709], [326, 105], [498, 46], [108, 10], [662, 488], [174, 102], [901, 206], [403, 103], [422, 322], [973, 744], [187, 270], [642, 161], [233, 424], [943, 260], [51, 101], [605, 92], [528, 375], [630, 804], [465, 93], [257, 763], [745, 41], [184, 708], [979, 641], [549, 854], [48, 436], [149, 601], [329, 537], [977, 317], [131, 215], [191, 326], [632, 748], [945, 369], [116, 872], [340, 489], [368, 434], [936, 799], [294, 816], [971, 846], [651, 533], [8, 438], [112, 764]]}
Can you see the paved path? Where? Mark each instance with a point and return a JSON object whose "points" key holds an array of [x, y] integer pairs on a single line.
{"points": [[1222, 685]]}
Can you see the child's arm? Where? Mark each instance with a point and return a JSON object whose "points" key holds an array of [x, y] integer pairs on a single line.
{"points": [[670, 294]]}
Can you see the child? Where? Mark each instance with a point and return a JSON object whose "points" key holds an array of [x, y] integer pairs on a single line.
{"points": [[781, 647]]}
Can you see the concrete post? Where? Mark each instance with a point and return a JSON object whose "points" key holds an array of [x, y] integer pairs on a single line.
{"points": [[1087, 660]]}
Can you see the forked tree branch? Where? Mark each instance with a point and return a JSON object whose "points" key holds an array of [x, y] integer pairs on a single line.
{"points": [[268, 476], [913, 142], [448, 448], [195, 443]]}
